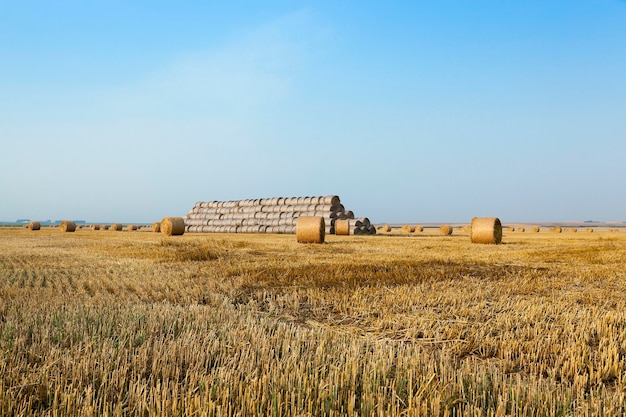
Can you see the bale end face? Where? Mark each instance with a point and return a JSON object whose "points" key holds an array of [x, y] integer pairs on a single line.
{"points": [[310, 229], [173, 226], [486, 230]]}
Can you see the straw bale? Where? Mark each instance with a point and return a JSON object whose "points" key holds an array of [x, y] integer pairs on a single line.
{"points": [[589, 230], [34, 226], [342, 227], [556, 229], [95, 227], [67, 226], [573, 230], [104, 227], [310, 229], [535, 229], [156, 227], [408, 229], [445, 229], [385, 228], [521, 229], [486, 230], [131, 227], [173, 226], [419, 229], [116, 227]]}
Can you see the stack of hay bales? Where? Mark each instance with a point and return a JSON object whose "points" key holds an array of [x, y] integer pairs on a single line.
{"points": [[269, 215]]}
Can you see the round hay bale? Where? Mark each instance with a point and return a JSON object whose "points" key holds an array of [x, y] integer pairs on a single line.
{"points": [[156, 227], [131, 227], [535, 229], [385, 228], [342, 227], [95, 227], [116, 227], [104, 227], [556, 229], [408, 229], [573, 230], [419, 229], [310, 229], [521, 229], [173, 226], [34, 226], [511, 229], [486, 230], [445, 229], [589, 230], [331, 200], [67, 226]]}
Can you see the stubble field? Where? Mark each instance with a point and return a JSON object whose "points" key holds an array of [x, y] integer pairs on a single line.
{"points": [[136, 323]]}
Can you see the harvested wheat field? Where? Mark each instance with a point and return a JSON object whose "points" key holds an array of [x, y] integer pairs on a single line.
{"points": [[145, 324]]}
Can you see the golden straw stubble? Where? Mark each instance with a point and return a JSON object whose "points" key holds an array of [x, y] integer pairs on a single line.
{"points": [[486, 230], [67, 226], [310, 229], [173, 226]]}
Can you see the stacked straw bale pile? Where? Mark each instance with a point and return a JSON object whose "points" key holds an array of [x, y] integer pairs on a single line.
{"points": [[270, 215]]}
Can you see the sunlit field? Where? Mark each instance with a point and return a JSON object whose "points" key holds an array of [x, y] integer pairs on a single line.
{"points": [[136, 323]]}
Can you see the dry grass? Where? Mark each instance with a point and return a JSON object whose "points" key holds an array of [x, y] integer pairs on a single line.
{"points": [[146, 324]]}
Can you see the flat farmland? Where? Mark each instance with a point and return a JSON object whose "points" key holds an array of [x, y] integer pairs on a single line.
{"points": [[96, 323]]}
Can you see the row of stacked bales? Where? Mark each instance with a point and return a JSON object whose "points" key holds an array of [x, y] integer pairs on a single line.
{"points": [[265, 215]]}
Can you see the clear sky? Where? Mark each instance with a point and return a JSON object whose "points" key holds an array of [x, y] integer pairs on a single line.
{"points": [[410, 111]]}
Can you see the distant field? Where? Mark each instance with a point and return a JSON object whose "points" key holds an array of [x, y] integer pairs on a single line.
{"points": [[136, 323]]}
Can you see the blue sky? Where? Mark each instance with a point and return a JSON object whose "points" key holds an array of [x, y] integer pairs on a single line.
{"points": [[409, 111]]}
